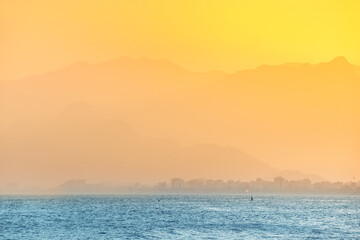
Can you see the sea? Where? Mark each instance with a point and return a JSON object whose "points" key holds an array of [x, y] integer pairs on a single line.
{"points": [[180, 217]]}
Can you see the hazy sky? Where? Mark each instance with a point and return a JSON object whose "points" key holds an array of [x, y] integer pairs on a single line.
{"points": [[41, 35], [297, 117]]}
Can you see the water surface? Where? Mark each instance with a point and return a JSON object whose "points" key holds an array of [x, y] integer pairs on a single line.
{"points": [[180, 217]]}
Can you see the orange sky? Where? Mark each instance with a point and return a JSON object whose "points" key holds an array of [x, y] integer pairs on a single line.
{"points": [[299, 118], [41, 35]]}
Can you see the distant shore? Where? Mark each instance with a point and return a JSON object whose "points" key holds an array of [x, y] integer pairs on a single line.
{"points": [[194, 186]]}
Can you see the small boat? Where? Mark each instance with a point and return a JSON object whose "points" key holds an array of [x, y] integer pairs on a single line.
{"points": [[251, 198]]}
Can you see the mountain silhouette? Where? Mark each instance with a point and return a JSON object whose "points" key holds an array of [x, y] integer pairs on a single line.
{"points": [[290, 115], [66, 148]]}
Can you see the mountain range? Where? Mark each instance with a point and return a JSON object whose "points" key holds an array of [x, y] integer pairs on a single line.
{"points": [[149, 120]]}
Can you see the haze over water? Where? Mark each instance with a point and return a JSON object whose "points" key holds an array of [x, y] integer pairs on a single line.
{"points": [[181, 98]]}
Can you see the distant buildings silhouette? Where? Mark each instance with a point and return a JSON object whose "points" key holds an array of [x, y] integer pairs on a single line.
{"points": [[179, 185], [279, 184]]}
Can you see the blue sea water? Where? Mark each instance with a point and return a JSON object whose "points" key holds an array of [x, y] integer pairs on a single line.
{"points": [[180, 217]]}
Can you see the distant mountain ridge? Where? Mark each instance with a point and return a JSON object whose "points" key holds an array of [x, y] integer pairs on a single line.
{"points": [[88, 139], [255, 110]]}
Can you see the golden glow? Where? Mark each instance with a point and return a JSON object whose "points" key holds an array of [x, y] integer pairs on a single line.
{"points": [[307, 121], [42, 35]]}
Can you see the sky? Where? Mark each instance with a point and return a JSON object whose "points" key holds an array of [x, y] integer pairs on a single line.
{"points": [[293, 118], [39, 35]]}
